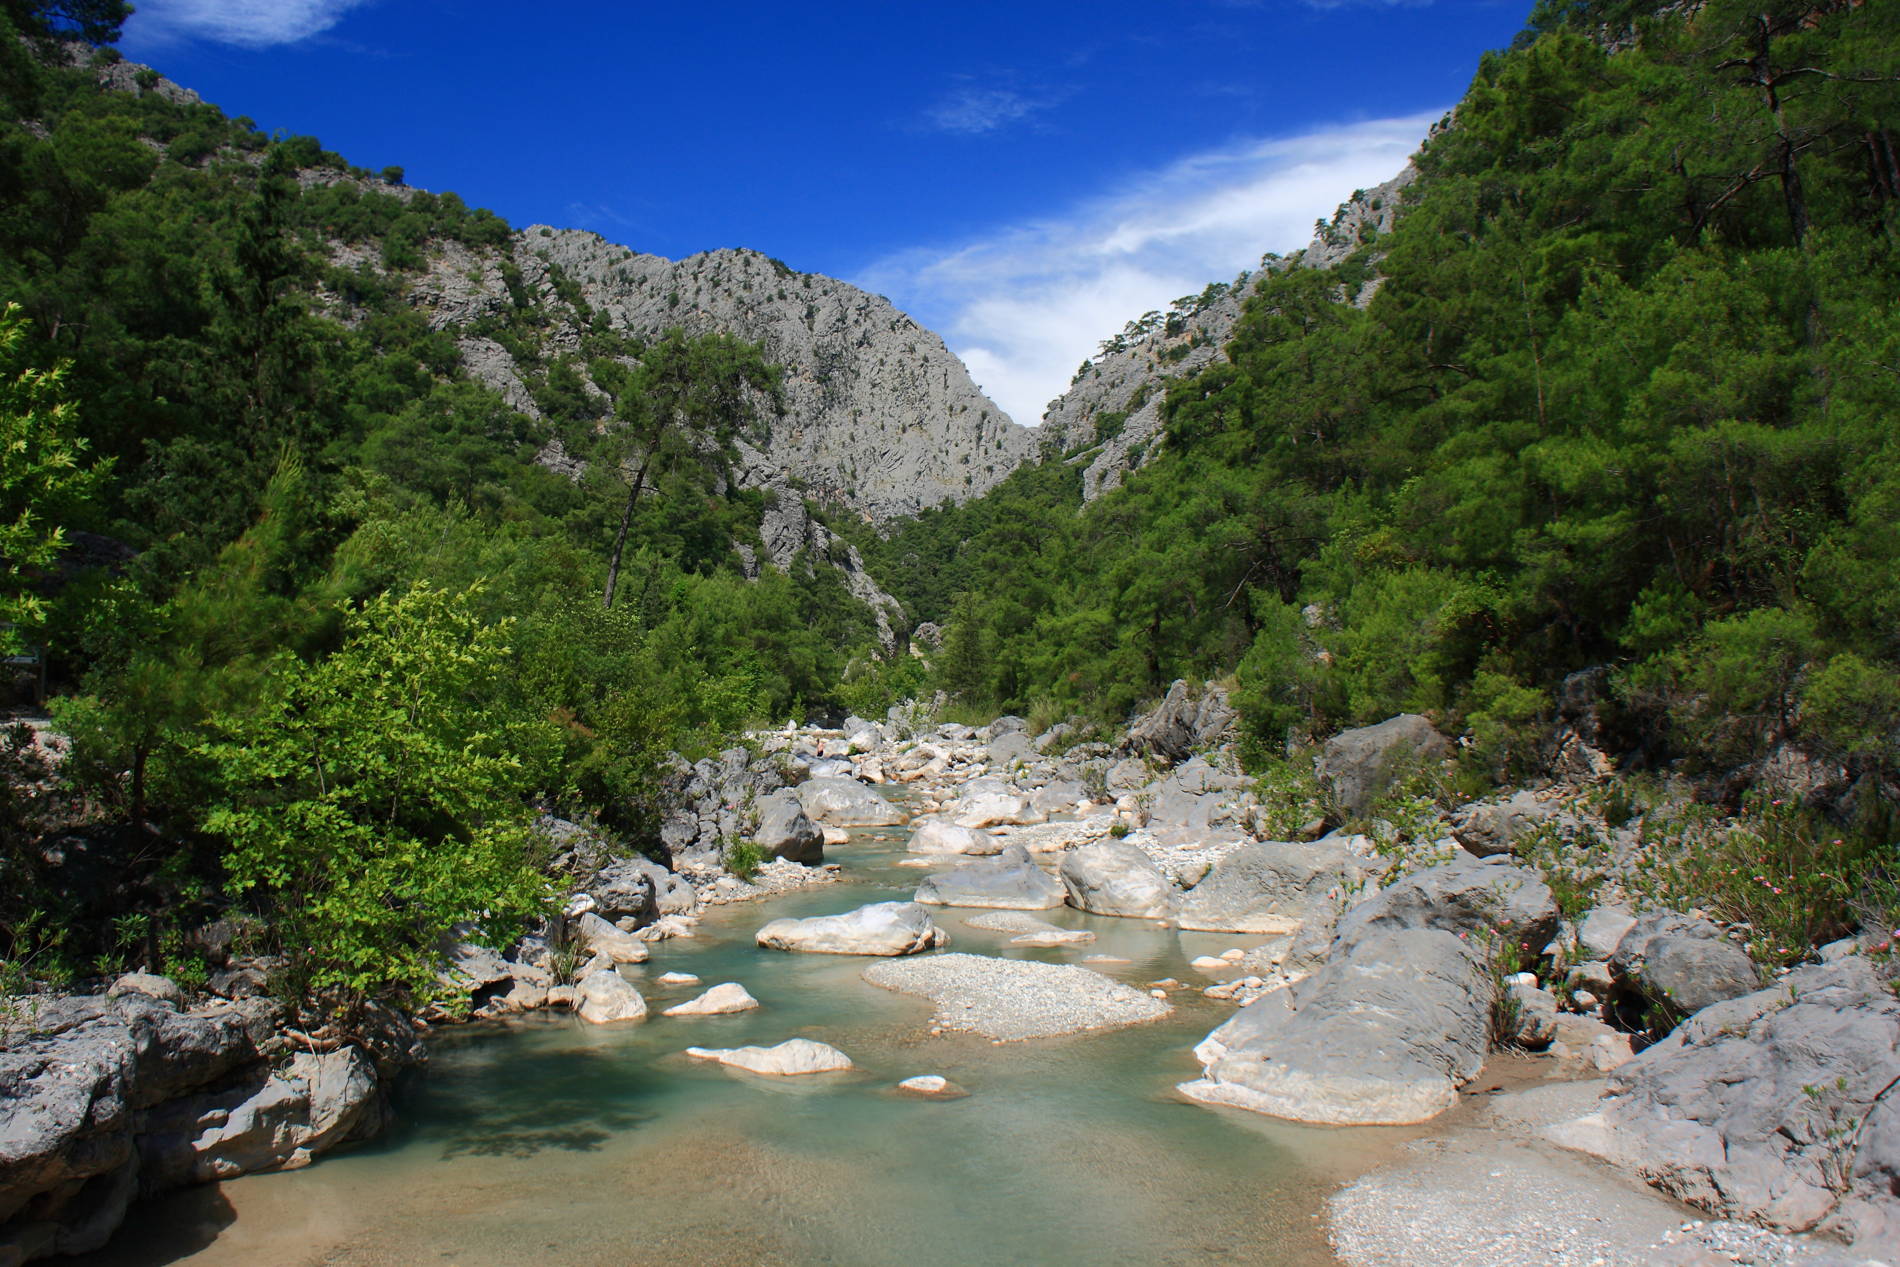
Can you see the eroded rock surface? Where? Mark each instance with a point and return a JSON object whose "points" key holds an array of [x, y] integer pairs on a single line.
{"points": [[881, 928]]}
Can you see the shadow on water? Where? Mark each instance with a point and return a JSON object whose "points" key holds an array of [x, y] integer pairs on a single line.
{"points": [[518, 1104], [168, 1228]]}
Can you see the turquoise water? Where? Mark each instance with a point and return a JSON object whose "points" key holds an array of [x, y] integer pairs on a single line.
{"points": [[553, 1141]]}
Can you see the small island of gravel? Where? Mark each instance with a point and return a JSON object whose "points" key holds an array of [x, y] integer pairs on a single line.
{"points": [[1010, 999]]}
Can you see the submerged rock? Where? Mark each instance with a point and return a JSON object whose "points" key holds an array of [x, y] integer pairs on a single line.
{"points": [[932, 1086], [726, 997], [790, 1058], [881, 928]]}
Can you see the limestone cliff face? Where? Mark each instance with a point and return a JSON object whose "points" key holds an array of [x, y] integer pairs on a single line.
{"points": [[1110, 418], [881, 419]]}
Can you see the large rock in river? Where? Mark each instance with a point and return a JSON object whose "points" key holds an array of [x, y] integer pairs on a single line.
{"points": [[74, 1092], [1012, 881], [1384, 1035], [1360, 766], [845, 802], [790, 1058], [604, 996], [1113, 878], [937, 836], [1269, 888], [280, 1119], [785, 831], [881, 928]]}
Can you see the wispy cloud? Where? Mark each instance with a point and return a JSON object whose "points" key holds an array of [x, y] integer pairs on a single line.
{"points": [[244, 23], [973, 109], [1024, 305]]}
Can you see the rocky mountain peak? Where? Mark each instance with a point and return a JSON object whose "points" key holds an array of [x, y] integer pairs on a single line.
{"points": [[1110, 417], [880, 417]]}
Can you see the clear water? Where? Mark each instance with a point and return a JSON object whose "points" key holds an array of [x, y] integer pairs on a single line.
{"points": [[553, 1141]]}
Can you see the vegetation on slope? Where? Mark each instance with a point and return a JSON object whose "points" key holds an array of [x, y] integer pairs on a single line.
{"points": [[1625, 397], [326, 635]]}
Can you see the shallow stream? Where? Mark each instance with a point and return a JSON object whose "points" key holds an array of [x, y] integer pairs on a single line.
{"points": [[552, 1141]]}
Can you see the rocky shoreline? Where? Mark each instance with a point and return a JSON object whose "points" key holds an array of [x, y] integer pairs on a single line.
{"points": [[1381, 980]]}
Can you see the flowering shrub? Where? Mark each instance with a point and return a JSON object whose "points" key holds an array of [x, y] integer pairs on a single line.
{"points": [[1780, 872]]}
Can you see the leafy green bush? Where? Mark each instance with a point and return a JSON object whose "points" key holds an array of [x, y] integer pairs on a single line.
{"points": [[374, 800], [743, 858]]}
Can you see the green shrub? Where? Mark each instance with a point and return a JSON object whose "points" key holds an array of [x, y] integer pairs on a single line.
{"points": [[744, 858]]}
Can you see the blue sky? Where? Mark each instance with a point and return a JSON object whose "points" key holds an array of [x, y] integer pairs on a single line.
{"points": [[1023, 178]]}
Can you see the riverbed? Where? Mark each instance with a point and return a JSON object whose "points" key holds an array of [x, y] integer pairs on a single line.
{"points": [[553, 1141]]}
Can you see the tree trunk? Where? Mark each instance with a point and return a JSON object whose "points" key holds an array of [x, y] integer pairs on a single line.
{"points": [[620, 538]]}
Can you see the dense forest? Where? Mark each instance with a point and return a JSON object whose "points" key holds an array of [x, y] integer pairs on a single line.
{"points": [[312, 613], [1618, 390]]}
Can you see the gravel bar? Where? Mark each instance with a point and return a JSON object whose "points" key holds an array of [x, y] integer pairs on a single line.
{"points": [[1010, 999]]}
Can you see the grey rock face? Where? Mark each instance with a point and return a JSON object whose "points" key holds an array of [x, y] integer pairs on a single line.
{"points": [[785, 832], [281, 1120], [880, 416], [1268, 888], [1602, 931], [1112, 878], [940, 837], [1495, 827], [984, 807], [1384, 1035], [842, 802], [1681, 965], [1179, 725], [713, 801], [622, 889], [1012, 881], [1534, 1016], [1482, 901], [1359, 766], [881, 928], [1778, 1106], [603, 939], [74, 1101]]}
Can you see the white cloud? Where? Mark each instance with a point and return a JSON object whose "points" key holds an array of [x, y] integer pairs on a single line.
{"points": [[973, 111], [245, 23], [1024, 305]]}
